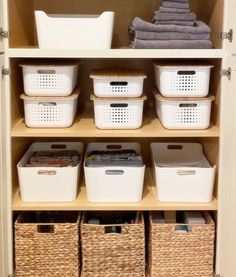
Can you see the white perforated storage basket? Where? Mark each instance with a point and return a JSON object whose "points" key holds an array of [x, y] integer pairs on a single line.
{"points": [[114, 184], [126, 83], [115, 113], [43, 112], [74, 31], [182, 173], [49, 80], [183, 80], [183, 113], [49, 184]]}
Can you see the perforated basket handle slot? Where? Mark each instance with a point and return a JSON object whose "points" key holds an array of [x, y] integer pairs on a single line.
{"points": [[119, 105], [186, 172], [46, 71], [47, 172], [58, 146], [186, 72], [45, 229], [190, 105], [119, 83], [47, 104], [113, 230], [114, 172], [175, 147]]}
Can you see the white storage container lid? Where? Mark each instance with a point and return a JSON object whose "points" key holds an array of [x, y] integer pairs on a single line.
{"points": [[186, 64], [51, 64], [110, 99], [124, 73]]}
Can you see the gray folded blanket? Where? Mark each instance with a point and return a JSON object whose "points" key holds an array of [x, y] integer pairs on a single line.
{"points": [[171, 44], [160, 16], [173, 10], [139, 24], [180, 23], [178, 5], [170, 36]]}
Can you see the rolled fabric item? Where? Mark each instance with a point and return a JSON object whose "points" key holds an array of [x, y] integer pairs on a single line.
{"points": [[171, 44], [170, 36], [180, 23], [160, 16], [139, 24], [178, 5], [173, 10]]}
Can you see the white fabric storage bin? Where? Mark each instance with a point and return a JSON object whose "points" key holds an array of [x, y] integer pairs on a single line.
{"points": [[118, 113], [53, 112], [184, 113], [182, 173], [183, 80], [49, 184], [73, 31], [49, 79], [125, 83], [114, 184]]}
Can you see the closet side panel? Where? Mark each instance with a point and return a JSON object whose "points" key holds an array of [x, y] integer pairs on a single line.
{"points": [[226, 242]]}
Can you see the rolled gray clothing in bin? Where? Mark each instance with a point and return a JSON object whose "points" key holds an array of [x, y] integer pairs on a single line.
{"points": [[171, 44], [178, 5], [179, 23], [173, 10], [160, 16], [133, 163], [139, 24], [170, 36]]}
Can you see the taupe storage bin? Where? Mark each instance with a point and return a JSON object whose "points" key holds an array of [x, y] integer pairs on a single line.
{"points": [[109, 254], [173, 254], [47, 244]]}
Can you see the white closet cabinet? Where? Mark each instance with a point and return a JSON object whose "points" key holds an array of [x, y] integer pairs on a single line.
{"points": [[18, 43]]}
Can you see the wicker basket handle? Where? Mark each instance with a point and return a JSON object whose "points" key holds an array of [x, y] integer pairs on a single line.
{"points": [[114, 230], [45, 229]]}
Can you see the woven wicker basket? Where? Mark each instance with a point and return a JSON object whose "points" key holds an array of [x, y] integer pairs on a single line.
{"points": [[173, 254], [47, 244], [108, 254]]}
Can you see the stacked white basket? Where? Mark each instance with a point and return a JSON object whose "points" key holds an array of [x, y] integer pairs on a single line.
{"points": [[50, 99], [183, 102], [118, 100]]}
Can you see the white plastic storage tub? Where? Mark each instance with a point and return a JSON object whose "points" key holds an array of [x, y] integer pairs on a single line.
{"points": [[183, 80], [125, 83], [53, 112], [118, 113], [49, 79], [49, 184], [182, 173], [74, 31], [114, 184], [184, 113]]}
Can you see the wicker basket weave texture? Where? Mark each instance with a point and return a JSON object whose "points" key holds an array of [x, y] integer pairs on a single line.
{"points": [[112, 254], [47, 254], [173, 254]]}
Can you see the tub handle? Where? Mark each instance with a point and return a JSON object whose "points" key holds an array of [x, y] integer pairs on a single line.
{"points": [[113, 230], [114, 172], [114, 146], [46, 71], [58, 146], [186, 72], [186, 172], [45, 229], [48, 104], [175, 147], [47, 172], [190, 105], [119, 105], [120, 83]]}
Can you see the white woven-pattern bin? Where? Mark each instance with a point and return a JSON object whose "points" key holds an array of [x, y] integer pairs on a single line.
{"points": [[49, 80], [49, 184], [183, 81], [184, 113], [125, 83], [115, 113], [43, 112], [182, 172]]}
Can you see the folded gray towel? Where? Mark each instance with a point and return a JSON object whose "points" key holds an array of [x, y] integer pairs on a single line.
{"points": [[180, 1], [180, 23], [160, 16], [178, 5], [139, 24], [170, 36], [171, 44], [173, 10]]}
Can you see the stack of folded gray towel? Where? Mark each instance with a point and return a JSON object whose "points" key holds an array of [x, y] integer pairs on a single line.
{"points": [[174, 26]]}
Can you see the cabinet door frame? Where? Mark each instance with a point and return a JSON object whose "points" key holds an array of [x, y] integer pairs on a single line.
{"points": [[229, 24], [3, 24]]}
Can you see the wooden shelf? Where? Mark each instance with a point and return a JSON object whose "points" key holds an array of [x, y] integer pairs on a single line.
{"points": [[84, 127], [149, 202], [116, 53]]}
